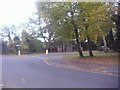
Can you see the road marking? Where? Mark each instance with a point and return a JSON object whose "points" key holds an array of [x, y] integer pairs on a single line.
{"points": [[39, 57]]}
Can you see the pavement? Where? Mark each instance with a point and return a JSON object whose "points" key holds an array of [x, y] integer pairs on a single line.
{"points": [[88, 67], [60, 61], [35, 71]]}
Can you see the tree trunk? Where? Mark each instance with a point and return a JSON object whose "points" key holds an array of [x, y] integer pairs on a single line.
{"points": [[77, 36], [47, 45], [105, 44], [111, 40], [49, 41], [89, 46], [51, 49], [78, 43], [63, 47]]}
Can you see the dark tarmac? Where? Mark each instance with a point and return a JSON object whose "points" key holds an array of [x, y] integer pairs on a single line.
{"points": [[32, 72]]}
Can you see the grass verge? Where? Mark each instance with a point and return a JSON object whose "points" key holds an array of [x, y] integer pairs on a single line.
{"points": [[95, 54]]}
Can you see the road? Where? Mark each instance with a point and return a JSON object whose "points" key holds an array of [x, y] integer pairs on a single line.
{"points": [[32, 72]]}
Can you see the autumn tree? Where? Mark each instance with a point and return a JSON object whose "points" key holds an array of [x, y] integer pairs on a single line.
{"points": [[116, 19], [64, 19], [80, 21], [45, 23]]}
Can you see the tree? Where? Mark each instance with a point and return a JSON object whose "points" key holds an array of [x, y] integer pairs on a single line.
{"points": [[16, 41], [110, 39], [95, 22], [45, 31], [31, 44], [107, 25], [118, 27], [4, 47], [62, 15], [8, 32], [116, 19], [80, 20]]}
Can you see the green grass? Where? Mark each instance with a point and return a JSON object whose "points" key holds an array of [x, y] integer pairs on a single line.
{"points": [[95, 54]]}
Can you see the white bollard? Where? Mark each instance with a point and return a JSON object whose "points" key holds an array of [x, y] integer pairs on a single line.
{"points": [[46, 51], [18, 52]]}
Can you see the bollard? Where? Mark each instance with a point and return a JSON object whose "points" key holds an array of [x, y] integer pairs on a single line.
{"points": [[46, 51], [18, 52]]}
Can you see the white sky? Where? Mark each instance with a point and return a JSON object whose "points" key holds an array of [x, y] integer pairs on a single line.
{"points": [[15, 12]]}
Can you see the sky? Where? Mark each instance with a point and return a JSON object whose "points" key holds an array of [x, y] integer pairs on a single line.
{"points": [[15, 12]]}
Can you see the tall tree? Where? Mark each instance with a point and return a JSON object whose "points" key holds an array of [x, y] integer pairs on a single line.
{"points": [[77, 21], [65, 22], [9, 32], [47, 31], [30, 43], [116, 19], [16, 41]]}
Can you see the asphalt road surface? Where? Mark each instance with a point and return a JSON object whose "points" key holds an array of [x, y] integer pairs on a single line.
{"points": [[32, 72]]}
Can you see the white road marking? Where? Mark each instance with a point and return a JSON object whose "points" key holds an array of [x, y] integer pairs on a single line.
{"points": [[39, 57]]}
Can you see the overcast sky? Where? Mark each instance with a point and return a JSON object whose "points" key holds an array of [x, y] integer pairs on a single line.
{"points": [[15, 12]]}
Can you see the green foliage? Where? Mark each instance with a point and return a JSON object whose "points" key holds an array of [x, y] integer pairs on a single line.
{"points": [[78, 20], [96, 19], [30, 43], [116, 19], [91, 19], [24, 44], [4, 46]]}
